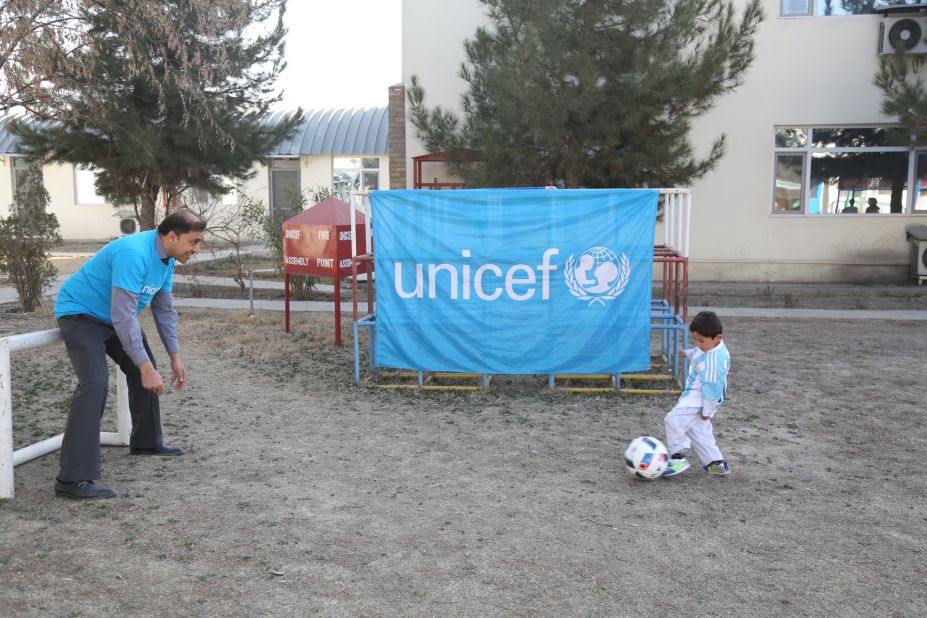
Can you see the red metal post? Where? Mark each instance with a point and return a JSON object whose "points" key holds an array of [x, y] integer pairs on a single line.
{"points": [[286, 299], [685, 289], [371, 286], [665, 282]]}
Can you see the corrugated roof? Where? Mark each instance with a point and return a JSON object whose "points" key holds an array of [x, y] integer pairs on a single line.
{"points": [[348, 131], [8, 141]]}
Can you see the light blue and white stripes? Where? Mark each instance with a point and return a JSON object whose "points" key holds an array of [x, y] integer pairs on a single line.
{"points": [[707, 379]]}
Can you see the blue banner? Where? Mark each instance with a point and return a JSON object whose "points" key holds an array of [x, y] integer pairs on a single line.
{"points": [[514, 281]]}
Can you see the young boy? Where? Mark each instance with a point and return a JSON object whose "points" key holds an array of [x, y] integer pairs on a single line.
{"points": [[689, 423]]}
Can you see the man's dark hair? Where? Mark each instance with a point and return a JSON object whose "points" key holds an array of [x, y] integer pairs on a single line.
{"points": [[182, 221], [706, 324]]}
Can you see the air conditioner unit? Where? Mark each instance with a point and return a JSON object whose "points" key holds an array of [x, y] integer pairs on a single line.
{"points": [[905, 33], [127, 226], [918, 258], [917, 235]]}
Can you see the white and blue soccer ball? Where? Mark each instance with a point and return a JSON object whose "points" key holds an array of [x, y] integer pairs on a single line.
{"points": [[646, 458]]}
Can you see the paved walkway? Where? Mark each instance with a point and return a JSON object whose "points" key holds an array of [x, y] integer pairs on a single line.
{"points": [[836, 314], [259, 284], [319, 306], [8, 295]]}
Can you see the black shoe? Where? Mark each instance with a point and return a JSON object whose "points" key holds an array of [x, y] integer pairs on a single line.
{"points": [[83, 490], [164, 450]]}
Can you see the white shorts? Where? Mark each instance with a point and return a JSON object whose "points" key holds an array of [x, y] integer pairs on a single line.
{"points": [[685, 428]]}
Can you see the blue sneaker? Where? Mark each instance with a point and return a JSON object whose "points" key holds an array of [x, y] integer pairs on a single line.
{"points": [[718, 468], [674, 467]]}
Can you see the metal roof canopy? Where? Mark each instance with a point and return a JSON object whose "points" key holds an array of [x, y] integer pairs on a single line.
{"points": [[348, 131]]}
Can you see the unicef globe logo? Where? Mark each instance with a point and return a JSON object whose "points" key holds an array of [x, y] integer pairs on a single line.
{"points": [[597, 274]]}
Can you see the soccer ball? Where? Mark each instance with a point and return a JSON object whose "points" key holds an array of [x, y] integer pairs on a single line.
{"points": [[646, 458]]}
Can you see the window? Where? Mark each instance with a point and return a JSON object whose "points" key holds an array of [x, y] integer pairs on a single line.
{"points": [[236, 188], [20, 165], [920, 184], [847, 170], [85, 190], [791, 8], [789, 174], [199, 199], [285, 191], [354, 174], [828, 8]]}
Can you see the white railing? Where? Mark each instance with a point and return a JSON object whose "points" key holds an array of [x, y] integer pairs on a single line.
{"points": [[677, 204], [360, 200], [10, 458]]}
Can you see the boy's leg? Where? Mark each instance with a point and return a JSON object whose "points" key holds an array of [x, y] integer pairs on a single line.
{"points": [[703, 441], [677, 422], [144, 406], [80, 448]]}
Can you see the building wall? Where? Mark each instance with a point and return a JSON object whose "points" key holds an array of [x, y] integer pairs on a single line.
{"points": [[6, 185], [397, 137], [77, 221], [96, 221], [315, 172], [811, 71], [432, 38]]}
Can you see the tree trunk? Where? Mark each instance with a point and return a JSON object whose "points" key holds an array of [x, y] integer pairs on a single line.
{"points": [[149, 204]]}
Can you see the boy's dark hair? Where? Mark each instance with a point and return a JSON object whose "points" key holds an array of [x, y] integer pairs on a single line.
{"points": [[182, 221], [706, 324]]}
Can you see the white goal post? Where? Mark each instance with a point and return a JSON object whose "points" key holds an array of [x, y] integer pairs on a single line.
{"points": [[10, 458]]}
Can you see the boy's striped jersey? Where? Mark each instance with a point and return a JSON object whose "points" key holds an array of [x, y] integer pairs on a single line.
{"points": [[707, 378]]}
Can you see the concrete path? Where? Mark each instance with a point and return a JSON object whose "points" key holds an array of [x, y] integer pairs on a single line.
{"points": [[259, 284], [833, 314], [731, 312], [270, 305], [8, 295]]}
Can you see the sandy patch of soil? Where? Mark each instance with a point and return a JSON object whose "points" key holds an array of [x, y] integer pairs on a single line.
{"points": [[301, 493]]}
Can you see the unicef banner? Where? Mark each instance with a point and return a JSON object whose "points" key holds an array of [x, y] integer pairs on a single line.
{"points": [[514, 281]]}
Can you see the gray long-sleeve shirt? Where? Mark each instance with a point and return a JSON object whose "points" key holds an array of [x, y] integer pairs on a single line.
{"points": [[123, 308], [129, 331]]}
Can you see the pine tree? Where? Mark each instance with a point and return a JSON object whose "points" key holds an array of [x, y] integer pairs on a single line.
{"points": [[591, 93], [25, 238], [903, 96], [142, 131], [43, 45]]}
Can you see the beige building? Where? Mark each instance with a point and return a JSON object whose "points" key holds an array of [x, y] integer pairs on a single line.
{"points": [[805, 137], [338, 149]]}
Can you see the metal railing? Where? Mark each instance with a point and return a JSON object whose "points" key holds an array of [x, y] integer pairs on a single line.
{"points": [[670, 310]]}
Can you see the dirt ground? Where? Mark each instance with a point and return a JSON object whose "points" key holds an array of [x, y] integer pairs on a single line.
{"points": [[302, 494]]}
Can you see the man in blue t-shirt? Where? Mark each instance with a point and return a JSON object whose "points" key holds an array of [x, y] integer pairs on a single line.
{"points": [[97, 311]]}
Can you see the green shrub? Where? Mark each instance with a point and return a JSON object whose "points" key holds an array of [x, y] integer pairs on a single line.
{"points": [[25, 238]]}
